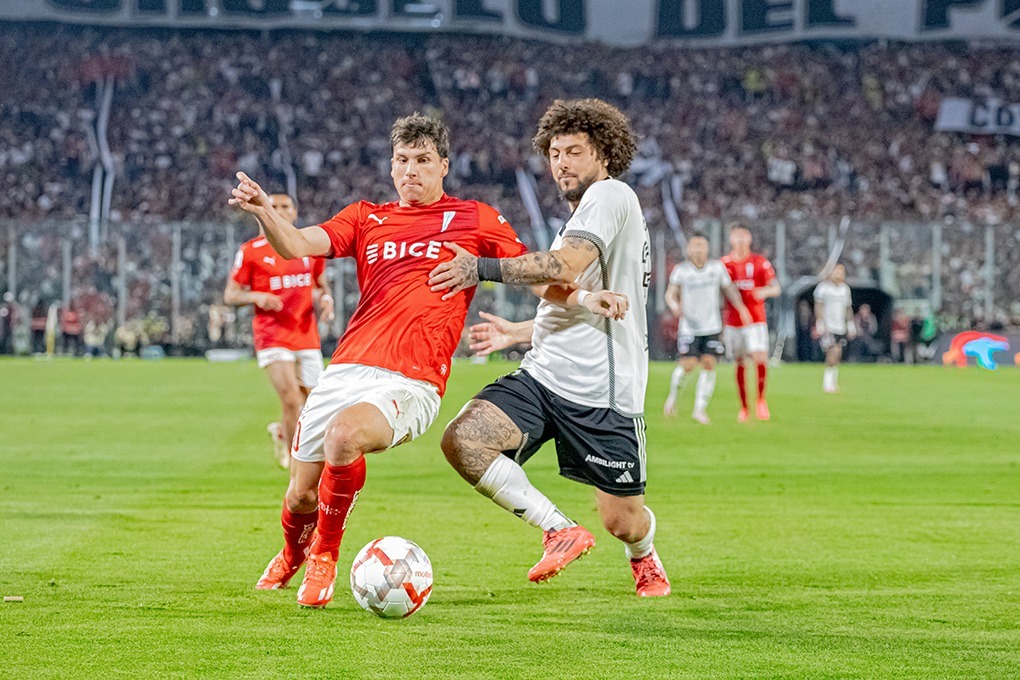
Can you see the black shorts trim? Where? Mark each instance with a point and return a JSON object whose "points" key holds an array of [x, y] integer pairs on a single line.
{"points": [[700, 345], [595, 446], [832, 339]]}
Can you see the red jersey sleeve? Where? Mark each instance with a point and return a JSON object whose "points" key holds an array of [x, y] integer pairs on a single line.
{"points": [[318, 266], [767, 272], [342, 230], [241, 272], [498, 238]]}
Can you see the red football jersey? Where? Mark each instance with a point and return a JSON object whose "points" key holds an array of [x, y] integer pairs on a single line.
{"points": [[399, 324], [754, 272], [263, 270]]}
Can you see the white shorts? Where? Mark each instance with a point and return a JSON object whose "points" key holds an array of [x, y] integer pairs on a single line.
{"points": [[410, 406], [309, 362], [744, 340]]}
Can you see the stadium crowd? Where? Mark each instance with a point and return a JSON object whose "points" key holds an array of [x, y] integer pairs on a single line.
{"points": [[798, 133]]}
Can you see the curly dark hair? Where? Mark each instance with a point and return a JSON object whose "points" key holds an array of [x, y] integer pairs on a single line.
{"points": [[606, 126], [417, 130]]}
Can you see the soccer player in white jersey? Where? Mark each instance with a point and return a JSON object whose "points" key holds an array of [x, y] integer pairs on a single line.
{"points": [[693, 297], [834, 323], [583, 381]]}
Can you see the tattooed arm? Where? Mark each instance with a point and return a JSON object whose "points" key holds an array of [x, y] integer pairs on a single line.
{"points": [[563, 265]]}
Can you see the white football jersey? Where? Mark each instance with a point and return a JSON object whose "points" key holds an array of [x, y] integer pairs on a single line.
{"points": [[700, 296], [834, 300], [588, 359]]}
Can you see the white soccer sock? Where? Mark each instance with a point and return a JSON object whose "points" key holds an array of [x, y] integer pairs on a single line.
{"points": [[676, 379], [641, 548], [831, 377], [704, 390], [506, 483]]}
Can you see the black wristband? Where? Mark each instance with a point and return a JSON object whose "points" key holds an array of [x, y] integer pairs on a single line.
{"points": [[488, 269]]}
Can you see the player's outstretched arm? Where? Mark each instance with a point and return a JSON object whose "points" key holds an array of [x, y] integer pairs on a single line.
{"points": [[496, 333], [286, 239], [562, 265]]}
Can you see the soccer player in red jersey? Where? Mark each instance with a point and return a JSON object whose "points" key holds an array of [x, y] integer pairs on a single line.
{"points": [[384, 382], [286, 332], [755, 278]]}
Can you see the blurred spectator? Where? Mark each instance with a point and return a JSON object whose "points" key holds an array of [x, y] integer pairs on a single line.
{"points": [[95, 338], [9, 318], [902, 347], [71, 330], [868, 343], [39, 314]]}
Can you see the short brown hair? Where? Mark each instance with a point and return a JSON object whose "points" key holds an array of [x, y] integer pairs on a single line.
{"points": [[418, 130], [606, 126]]}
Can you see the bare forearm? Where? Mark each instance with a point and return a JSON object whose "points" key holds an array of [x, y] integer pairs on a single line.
{"points": [[556, 293], [733, 296], [521, 331], [238, 298], [285, 238], [673, 299], [772, 289]]}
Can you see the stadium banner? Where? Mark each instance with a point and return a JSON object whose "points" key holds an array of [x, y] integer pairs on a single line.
{"points": [[700, 22], [979, 116]]}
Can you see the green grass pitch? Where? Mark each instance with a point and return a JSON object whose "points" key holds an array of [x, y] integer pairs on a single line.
{"points": [[870, 534]]}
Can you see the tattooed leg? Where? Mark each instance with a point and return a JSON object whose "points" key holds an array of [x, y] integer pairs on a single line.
{"points": [[473, 443], [476, 437]]}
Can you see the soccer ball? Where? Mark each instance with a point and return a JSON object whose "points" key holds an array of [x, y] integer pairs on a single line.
{"points": [[391, 577]]}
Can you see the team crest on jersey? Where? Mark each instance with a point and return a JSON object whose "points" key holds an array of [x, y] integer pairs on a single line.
{"points": [[447, 218]]}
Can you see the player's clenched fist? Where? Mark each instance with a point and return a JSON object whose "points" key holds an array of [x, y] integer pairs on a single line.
{"points": [[248, 195]]}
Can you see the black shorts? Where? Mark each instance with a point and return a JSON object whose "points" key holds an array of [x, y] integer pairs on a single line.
{"points": [[700, 345], [833, 339], [595, 446]]}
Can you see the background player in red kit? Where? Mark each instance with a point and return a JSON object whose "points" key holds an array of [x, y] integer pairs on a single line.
{"points": [[286, 333], [384, 382], [755, 278]]}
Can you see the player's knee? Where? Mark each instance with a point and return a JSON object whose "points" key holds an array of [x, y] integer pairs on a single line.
{"points": [[345, 442], [302, 501], [453, 440]]}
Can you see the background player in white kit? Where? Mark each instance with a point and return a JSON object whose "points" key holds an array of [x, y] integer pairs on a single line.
{"points": [[693, 297], [583, 381], [834, 323]]}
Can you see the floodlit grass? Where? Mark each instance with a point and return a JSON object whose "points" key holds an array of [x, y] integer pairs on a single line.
{"points": [[874, 533]]}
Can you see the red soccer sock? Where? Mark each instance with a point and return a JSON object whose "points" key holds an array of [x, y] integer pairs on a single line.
{"points": [[762, 368], [741, 387], [338, 492], [298, 529]]}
